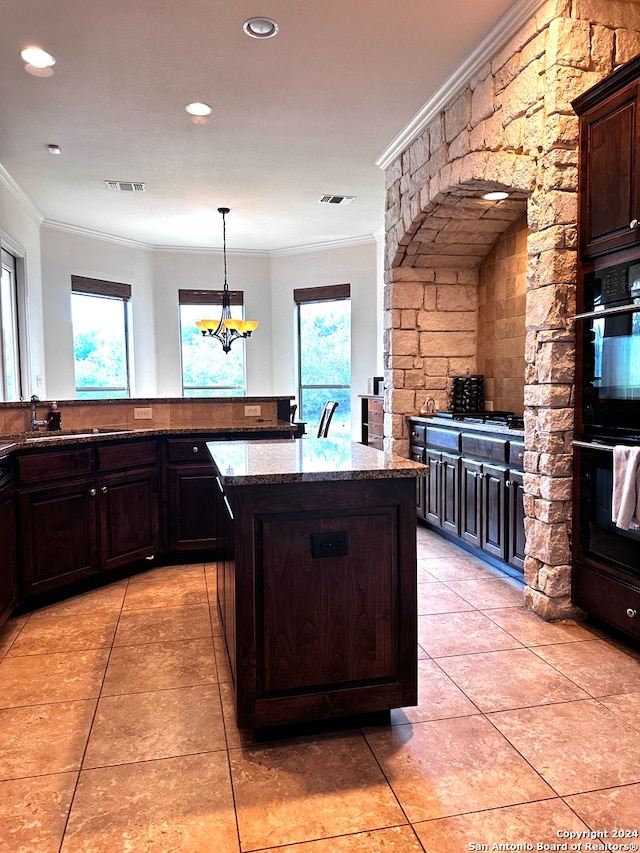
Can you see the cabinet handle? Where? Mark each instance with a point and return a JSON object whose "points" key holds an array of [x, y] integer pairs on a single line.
{"points": [[631, 613], [520, 455], [508, 484], [93, 493], [474, 474], [634, 224], [104, 490], [196, 449]]}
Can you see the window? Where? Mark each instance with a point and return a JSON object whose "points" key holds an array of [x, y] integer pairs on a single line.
{"points": [[324, 355], [100, 317], [10, 384], [207, 371]]}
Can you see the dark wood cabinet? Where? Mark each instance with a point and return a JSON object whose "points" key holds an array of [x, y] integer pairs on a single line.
{"points": [[312, 633], [609, 177], [473, 492], [372, 421], [8, 561], [84, 511]]}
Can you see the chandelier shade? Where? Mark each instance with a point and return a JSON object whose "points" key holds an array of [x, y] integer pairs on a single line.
{"points": [[226, 329]]}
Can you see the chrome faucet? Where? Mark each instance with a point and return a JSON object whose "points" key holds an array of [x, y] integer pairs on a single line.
{"points": [[35, 423]]}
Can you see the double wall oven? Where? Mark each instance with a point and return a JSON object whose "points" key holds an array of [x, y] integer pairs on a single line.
{"points": [[606, 568]]}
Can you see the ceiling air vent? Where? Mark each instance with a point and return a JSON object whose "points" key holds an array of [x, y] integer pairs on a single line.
{"points": [[126, 186], [336, 199]]}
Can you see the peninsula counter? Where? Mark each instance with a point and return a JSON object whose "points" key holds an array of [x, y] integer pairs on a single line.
{"points": [[317, 593]]}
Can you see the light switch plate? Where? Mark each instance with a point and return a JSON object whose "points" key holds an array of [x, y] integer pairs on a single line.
{"points": [[252, 411], [143, 414]]}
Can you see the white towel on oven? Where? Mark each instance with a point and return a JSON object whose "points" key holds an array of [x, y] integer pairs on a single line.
{"points": [[625, 500]]}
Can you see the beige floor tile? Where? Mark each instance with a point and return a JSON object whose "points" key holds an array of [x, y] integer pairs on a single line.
{"points": [[66, 634], [189, 573], [566, 744], [216, 625], [137, 627], [396, 839], [438, 698], [160, 666], [613, 808], [107, 598], [310, 789], [423, 575], [462, 633], [176, 805], [172, 592], [514, 678], [162, 724], [595, 665], [33, 813], [222, 661], [446, 767], [44, 738], [530, 629], [626, 706], [457, 566], [485, 593], [9, 633], [526, 824], [58, 677], [438, 598]]}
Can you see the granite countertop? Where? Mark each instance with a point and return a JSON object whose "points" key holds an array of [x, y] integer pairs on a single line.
{"points": [[244, 463], [44, 439]]}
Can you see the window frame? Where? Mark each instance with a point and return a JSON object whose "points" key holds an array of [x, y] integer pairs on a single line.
{"points": [[207, 298], [101, 288], [9, 261], [305, 296]]}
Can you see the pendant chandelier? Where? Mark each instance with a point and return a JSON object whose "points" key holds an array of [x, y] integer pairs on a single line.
{"points": [[226, 330]]}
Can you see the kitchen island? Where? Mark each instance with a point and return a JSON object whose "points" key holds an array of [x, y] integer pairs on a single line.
{"points": [[317, 590]]}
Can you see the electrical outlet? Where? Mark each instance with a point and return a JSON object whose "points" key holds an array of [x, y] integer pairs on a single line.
{"points": [[252, 411], [141, 414]]}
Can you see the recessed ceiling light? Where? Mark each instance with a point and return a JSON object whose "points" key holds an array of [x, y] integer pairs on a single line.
{"points": [[198, 113], [37, 57], [498, 195], [54, 149], [260, 28]]}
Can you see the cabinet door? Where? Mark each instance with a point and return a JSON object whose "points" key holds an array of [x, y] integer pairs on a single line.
{"points": [[493, 509], [417, 454], [515, 520], [450, 492], [433, 502], [129, 516], [8, 563], [470, 502], [609, 180], [58, 534], [195, 506]]}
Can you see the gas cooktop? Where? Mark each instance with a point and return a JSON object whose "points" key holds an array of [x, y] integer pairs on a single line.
{"points": [[509, 419]]}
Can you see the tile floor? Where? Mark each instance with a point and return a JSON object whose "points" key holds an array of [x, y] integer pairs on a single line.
{"points": [[117, 731]]}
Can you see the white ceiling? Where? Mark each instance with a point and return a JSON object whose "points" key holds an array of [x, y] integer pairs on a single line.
{"points": [[305, 113]]}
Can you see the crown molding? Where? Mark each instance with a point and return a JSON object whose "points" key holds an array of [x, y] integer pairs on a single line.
{"points": [[496, 38], [342, 243], [95, 235], [210, 250], [20, 196]]}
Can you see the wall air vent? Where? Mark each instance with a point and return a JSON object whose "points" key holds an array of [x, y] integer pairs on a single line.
{"points": [[126, 186], [336, 199]]}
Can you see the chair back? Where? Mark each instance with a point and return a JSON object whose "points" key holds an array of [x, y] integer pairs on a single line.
{"points": [[325, 420]]}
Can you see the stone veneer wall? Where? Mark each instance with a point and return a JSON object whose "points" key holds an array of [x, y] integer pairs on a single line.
{"points": [[511, 128], [502, 294]]}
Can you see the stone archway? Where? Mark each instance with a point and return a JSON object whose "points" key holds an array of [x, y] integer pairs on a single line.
{"points": [[511, 128]]}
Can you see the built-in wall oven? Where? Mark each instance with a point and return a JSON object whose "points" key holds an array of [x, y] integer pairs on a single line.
{"points": [[606, 566]]}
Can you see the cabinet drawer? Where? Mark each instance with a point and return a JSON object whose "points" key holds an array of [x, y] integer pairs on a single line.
{"points": [[192, 450], [614, 601], [484, 447], [375, 417], [418, 434], [447, 439], [36, 467], [375, 407], [417, 453], [516, 454], [127, 454]]}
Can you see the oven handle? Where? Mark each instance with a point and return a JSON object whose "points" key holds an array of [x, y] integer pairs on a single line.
{"points": [[590, 445], [608, 312]]}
